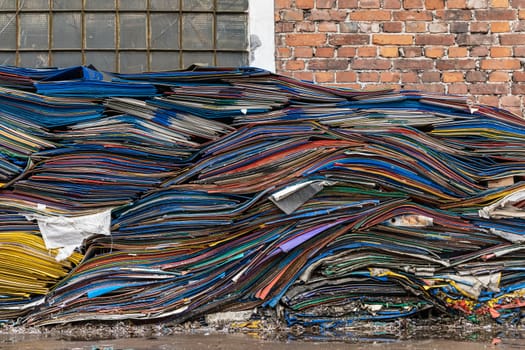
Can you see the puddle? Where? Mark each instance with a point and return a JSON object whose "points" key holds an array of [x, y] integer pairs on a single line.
{"points": [[243, 342]]}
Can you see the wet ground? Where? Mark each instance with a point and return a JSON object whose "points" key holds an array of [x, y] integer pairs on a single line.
{"points": [[245, 342], [429, 334]]}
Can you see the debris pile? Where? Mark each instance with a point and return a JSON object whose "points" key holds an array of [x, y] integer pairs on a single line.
{"points": [[172, 195]]}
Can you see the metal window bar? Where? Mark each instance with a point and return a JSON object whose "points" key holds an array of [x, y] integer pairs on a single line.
{"points": [[122, 14]]}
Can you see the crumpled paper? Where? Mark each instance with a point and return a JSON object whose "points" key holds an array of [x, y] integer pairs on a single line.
{"points": [[68, 233], [504, 208]]}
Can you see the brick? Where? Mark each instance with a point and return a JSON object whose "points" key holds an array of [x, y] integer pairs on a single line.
{"points": [[283, 52], [280, 27], [369, 27], [475, 39], [410, 51], [501, 63], [389, 77], [346, 52], [500, 51], [366, 63], [389, 51], [422, 64], [519, 51], [392, 4], [434, 4], [324, 77], [430, 77], [393, 27], [521, 14], [305, 39], [518, 76], [370, 15], [349, 39], [454, 15], [303, 52], [294, 65], [516, 110], [434, 88], [325, 4], [518, 89], [457, 88], [438, 27], [415, 27], [307, 76], [413, 4], [345, 77], [519, 27], [488, 100], [348, 27], [475, 76], [409, 77], [327, 15], [477, 4], [510, 101], [488, 89], [479, 51], [328, 64], [370, 4], [452, 77], [500, 27], [305, 27], [512, 39], [348, 4], [392, 39], [324, 52], [479, 27], [499, 77], [404, 15], [389, 86], [455, 64], [304, 4], [517, 4], [434, 52], [495, 15], [279, 40], [367, 51], [499, 3], [369, 76], [435, 39], [338, 15], [292, 15], [327, 27], [284, 4], [459, 27], [456, 4], [454, 52]]}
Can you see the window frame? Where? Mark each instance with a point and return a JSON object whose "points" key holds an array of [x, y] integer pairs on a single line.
{"points": [[259, 43]]}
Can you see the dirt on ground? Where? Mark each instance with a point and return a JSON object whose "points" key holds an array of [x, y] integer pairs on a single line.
{"points": [[223, 333]]}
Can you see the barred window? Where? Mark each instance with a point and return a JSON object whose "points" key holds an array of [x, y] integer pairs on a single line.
{"points": [[124, 35]]}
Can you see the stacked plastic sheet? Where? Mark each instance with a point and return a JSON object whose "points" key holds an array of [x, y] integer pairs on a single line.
{"points": [[214, 189], [28, 270]]}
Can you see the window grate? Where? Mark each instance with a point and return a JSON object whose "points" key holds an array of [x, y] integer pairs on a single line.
{"points": [[124, 35]]}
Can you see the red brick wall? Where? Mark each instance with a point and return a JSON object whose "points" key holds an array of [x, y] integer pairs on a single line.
{"points": [[467, 47]]}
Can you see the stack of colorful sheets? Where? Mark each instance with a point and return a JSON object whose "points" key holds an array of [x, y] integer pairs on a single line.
{"points": [[236, 188]]}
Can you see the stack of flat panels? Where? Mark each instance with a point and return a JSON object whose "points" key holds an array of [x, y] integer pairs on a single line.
{"points": [[235, 188], [28, 270]]}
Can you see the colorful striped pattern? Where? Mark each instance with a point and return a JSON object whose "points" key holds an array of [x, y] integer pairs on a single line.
{"points": [[235, 188]]}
